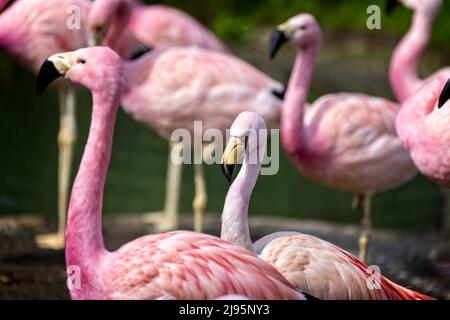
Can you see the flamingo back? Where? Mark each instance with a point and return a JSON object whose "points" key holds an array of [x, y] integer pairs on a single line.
{"points": [[354, 144], [325, 271], [33, 30], [186, 265]]}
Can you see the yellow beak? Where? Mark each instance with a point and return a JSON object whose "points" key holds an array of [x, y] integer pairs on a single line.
{"points": [[233, 153]]}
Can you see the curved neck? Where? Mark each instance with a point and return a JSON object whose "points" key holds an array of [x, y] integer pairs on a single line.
{"points": [[403, 71], [84, 239], [121, 16], [292, 112], [235, 226]]}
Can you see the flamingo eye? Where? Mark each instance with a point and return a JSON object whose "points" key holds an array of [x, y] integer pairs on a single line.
{"points": [[303, 27], [82, 61]]}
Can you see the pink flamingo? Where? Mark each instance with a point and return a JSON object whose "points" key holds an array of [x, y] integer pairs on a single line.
{"points": [[345, 141], [404, 76], [312, 265], [128, 25], [30, 31], [422, 125], [176, 265]]}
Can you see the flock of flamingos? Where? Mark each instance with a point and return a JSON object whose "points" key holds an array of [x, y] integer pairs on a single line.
{"points": [[166, 70]]}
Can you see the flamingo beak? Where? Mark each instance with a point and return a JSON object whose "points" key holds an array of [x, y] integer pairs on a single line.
{"points": [[53, 68], [231, 156], [445, 96], [277, 40], [391, 5]]}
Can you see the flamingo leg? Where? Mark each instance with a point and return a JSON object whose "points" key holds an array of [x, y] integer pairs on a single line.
{"points": [[201, 197], [66, 139], [366, 226], [168, 220]]}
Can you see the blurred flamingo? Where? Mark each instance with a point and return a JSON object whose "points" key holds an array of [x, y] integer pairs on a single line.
{"points": [[128, 26], [422, 125], [346, 141], [177, 265], [403, 70], [312, 265], [30, 31]]}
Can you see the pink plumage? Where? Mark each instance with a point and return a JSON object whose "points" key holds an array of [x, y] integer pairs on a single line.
{"points": [[177, 265], [423, 129], [170, 89], [32, 30], [312, 265], [126, 25], [346, 141], [404, 75]]}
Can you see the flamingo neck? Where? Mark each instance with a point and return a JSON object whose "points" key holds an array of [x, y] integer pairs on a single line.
{"points": [[403, 72], [121, 16], [235, 227], [84, 239], [292, 113]]}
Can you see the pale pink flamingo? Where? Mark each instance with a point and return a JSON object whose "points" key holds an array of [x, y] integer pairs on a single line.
{"points": [[128, 25], [345, 141], [422, 125], [176, 265], [312, 265], [404, 74], [30, 31]]}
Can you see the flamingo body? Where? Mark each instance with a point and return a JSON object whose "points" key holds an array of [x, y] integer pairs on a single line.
{"points": [[186, 265], [170, 89], [352, 144], [327, 271], [32, 30]]}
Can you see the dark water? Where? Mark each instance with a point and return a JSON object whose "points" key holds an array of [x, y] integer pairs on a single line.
{"points": [[28, 170]]}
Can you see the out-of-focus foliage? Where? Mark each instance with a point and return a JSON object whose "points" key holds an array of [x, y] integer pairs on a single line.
{"points": [[233, 19]]}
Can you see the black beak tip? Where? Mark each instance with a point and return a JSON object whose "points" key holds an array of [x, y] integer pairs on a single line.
{"points": [[391, 5], [47, 74], [227, 170], [445, 95], [276, 41]]}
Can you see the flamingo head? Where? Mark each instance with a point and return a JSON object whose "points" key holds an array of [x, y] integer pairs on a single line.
{"points": [[97, 68], [248, 138], [430, 7], [102, 15], [300, 31]]}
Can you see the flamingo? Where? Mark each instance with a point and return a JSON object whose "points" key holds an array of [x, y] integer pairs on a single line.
{"points": [[422, 126], [404, 76], [310, 264], [176, 265], [30, 31], [345, 141], [129, 27]]}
